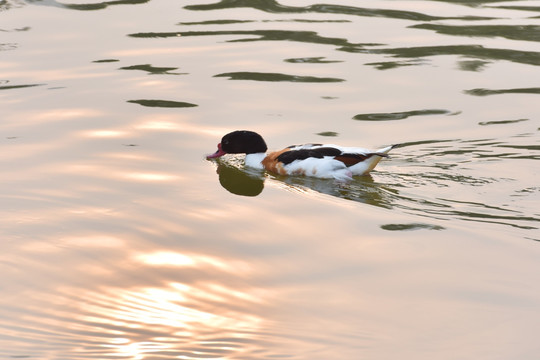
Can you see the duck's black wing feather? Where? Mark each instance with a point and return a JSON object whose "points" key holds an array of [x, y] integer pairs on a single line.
{"points": [[349, 159], [289, 156]]}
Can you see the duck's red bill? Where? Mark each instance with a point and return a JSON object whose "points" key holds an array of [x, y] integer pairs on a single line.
{"points": [[217, 154]]}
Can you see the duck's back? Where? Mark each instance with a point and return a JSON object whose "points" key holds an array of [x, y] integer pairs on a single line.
{"points": [[324, 161]]}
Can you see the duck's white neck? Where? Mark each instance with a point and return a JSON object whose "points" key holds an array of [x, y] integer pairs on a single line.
{"points": [[255, 160]]}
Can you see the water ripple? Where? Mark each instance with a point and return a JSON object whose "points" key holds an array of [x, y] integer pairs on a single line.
{"points": [[512, 32], [408, 227], [486, 92], [399, 115], [472, 51], [415, 54], [501, 122], [11, 87], [272, 6], [311, 60], [154, 70], [259, 76], [88, 6], [162, 103], [258, 35]]}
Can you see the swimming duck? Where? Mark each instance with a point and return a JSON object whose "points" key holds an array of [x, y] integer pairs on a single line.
{"points": [[318, 160]]}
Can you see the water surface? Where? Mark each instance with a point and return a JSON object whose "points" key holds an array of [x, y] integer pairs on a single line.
{"points": [[119, 240]]}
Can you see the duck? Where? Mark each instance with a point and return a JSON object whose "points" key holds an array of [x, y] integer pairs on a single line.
{"points": [[326, 161]]}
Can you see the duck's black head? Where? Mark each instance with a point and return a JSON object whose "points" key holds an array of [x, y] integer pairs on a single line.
{"points": [[240, 142]]}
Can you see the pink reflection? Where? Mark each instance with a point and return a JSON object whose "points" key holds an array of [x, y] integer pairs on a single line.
{"points": [[169, 258], [144, 176], [106, 133], [104, 171], [165, 122]]}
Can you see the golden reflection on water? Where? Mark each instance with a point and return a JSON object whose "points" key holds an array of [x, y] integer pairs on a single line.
{"points": [[48, 116], [106, 133], [151, 177], [179, 123], [176, 317], [159, 310], [169, 258], [159, 125]]}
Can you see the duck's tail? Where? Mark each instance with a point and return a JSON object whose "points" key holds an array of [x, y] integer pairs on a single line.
{"points": [[384, 151], [364, 167]]}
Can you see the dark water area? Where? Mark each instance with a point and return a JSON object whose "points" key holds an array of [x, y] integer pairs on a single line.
{"points": [[120, 239]]}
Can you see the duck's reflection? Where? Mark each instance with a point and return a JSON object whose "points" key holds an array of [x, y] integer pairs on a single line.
{"points": [[239, 181], [250, 182]]}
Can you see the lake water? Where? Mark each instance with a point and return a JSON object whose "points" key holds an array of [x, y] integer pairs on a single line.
{"points": [[119, 240]]}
